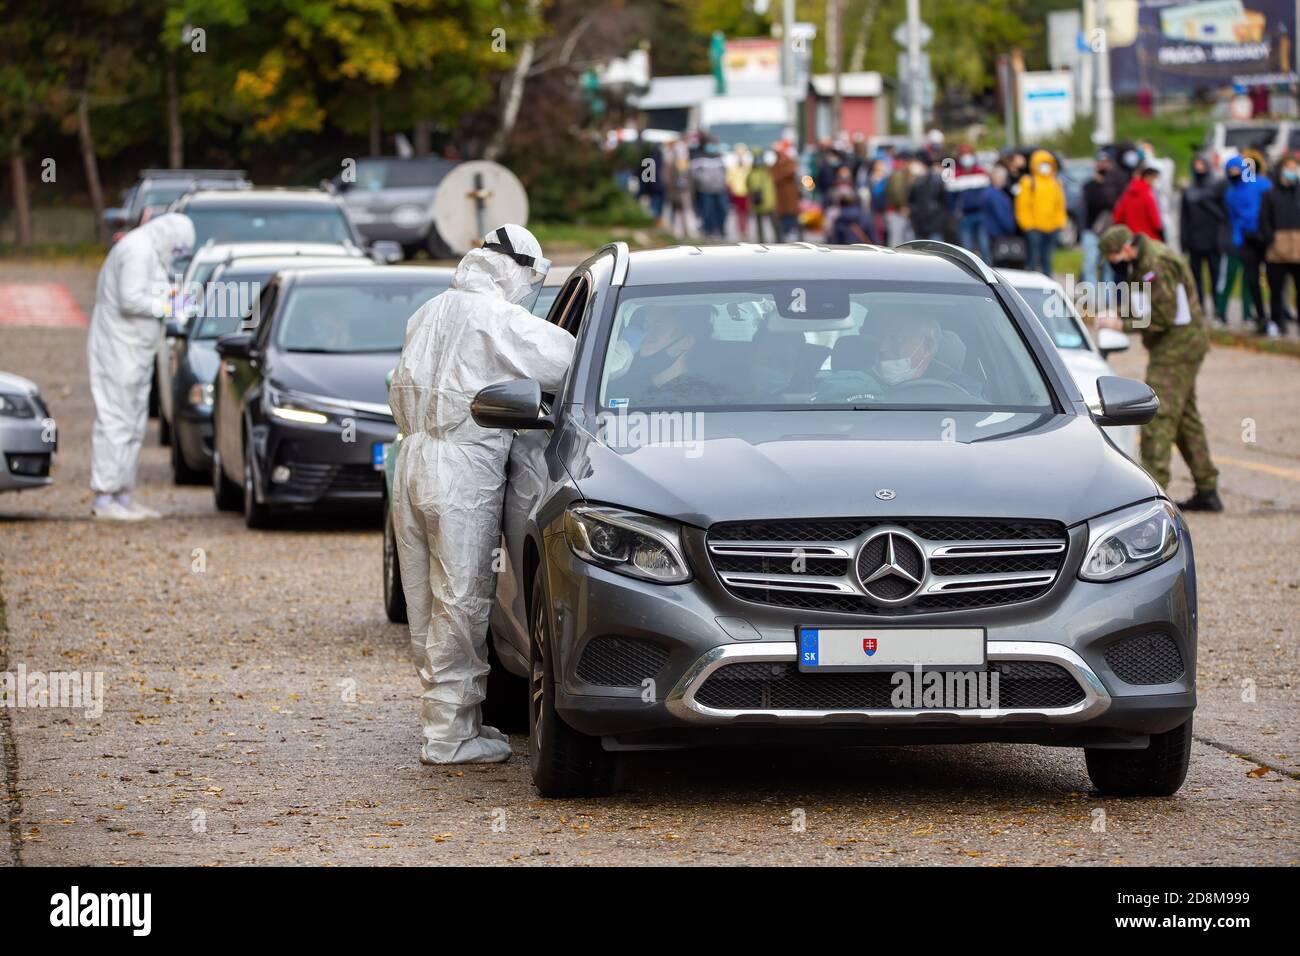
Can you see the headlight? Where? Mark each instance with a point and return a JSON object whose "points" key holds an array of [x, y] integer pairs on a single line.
{"points": [[1131, 541], [200, 394], [627, 542], [14, 405], [284, 406]]}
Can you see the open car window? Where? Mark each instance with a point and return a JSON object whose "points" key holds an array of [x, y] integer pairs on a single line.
{"points": [[828, 344]]}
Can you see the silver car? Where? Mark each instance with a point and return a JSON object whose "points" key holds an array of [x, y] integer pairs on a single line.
{"points": [[28, 437]]}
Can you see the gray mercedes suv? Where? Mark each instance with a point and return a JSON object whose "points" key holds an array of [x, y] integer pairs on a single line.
{"points": [[833, 496]]}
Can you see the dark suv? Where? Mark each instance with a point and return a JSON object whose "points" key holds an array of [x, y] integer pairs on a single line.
{"points": [[833, 496]]}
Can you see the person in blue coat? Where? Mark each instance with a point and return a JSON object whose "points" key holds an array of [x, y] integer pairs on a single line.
{"points": [[1247, 184], [998, 212]]}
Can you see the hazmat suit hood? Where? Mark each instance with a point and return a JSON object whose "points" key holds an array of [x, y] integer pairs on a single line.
{"points": [[171, 236], [490, 271]]}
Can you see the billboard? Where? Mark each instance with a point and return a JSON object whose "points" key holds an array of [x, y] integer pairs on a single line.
{"points": [[1180, 46]]}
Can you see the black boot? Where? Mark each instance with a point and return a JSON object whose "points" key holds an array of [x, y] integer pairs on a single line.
{"points": [[1202, 501]]}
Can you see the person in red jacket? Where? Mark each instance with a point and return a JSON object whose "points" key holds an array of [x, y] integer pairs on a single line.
{"points": [[1138, 207]]}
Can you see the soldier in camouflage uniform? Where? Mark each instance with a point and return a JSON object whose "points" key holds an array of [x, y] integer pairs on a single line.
{"points": [[1175, 352]]}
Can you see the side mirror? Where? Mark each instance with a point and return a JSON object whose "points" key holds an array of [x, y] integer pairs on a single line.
{"points": [[386, 251], [1125, 401], [1111, 340], [174, 328], [515, 404], [240, 346]]}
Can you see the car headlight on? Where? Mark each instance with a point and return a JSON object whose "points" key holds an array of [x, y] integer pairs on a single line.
{"points": [[15, 405], [1131, 541], [284, 406], [201, 394], [629, 543]]}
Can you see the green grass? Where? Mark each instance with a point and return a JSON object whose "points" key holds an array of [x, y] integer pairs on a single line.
{"points": [[1255, 343]]}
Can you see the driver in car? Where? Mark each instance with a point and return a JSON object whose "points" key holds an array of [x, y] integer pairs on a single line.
{"points": [[909, 352]]}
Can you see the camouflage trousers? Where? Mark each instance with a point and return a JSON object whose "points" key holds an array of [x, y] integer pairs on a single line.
{"points": [[1178, 422]]}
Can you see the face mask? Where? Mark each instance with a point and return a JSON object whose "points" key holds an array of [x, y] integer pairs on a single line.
{"points": [[968, 161], [1122, 269], [1290, 175], [1235, 176], [769, 158], [893, 371], [917, 169], [1044, 169]]}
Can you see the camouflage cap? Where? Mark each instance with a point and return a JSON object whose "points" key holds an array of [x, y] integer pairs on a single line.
{"points": [[1114, 239]]}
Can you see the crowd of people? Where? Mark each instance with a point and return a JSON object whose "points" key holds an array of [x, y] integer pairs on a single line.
{"points": [[1241, 222]]}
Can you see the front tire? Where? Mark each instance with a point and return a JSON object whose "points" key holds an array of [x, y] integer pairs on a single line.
{"points": [[182, 473], [394, 596], [564, 763], [1157, 771], [256, 515], [225, 493]]}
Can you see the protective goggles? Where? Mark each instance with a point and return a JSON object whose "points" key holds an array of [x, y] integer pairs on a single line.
{"points": [[500, 242]]}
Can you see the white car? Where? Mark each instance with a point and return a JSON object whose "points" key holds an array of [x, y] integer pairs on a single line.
{"points": [[1085, 358], [27, 435]]}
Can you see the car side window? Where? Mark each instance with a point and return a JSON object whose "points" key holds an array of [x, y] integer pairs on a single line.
{"points": [[265, 306], [571, 319], [561, 302]]}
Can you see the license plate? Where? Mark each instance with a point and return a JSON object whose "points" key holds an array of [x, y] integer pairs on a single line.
{"points": [[379, 454], [889, 648]]}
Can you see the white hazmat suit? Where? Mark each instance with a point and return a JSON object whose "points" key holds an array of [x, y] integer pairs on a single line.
{"points": [[131, 300], [449, 482]]}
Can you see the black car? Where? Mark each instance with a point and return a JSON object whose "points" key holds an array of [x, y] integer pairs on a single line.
{"points": [[188, 363], [300, 409]]}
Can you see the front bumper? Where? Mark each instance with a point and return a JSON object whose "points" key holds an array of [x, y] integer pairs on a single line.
{"points": [[192, 433], [25, 456], [703, 628], [325, 469]]}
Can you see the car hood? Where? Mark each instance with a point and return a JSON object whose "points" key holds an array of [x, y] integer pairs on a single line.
{"points": [[754, 465], [10, 382], [349, 377]]}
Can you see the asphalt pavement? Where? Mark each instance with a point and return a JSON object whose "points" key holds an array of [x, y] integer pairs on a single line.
{"points": [[259, 708]]}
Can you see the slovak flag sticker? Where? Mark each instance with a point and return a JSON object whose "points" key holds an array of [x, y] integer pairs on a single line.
{"points": [[869, 645]]}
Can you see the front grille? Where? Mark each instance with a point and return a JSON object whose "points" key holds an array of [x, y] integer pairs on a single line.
{"points": [[620, 661], [824, 564], [1145, 659], [315, 478], [1022, 685]]}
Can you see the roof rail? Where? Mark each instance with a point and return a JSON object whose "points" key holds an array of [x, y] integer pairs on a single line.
{"points": [[963, 258], [619, 249]]}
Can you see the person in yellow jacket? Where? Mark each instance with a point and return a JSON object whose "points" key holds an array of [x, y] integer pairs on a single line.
{"points": [[738, 185], [1040, 209]]}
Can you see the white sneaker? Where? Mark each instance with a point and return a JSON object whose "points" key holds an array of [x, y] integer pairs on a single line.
{"points": [[114, 511], [1273, 331], [141, 510]]}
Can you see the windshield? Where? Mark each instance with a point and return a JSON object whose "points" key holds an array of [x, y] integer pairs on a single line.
{"points": [[754, 135], [1057, 317], [265, 223], [829, 344], [375, 174], [369, 317], [1246, 137], [162, 195]]}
